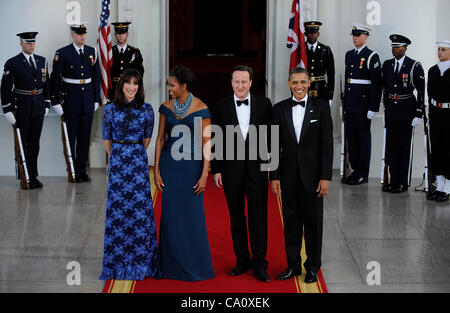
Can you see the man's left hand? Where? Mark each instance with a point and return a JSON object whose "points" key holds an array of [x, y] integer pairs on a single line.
{"points": [[322, 189]]}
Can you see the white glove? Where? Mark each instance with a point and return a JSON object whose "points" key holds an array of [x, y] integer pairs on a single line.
{"points": [[46, 111], [58, 109], [371, 114], [415, 121], [330, 102], [10, 117], [95, 106]]}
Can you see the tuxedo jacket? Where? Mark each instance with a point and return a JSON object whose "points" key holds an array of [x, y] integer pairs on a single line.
{"points": [[232, 169], [312, 156]]}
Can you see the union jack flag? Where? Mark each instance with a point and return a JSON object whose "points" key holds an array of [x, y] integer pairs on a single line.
{"points": [[105, 50], [296, 37]]}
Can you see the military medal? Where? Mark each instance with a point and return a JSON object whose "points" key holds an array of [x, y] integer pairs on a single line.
{"points": [[361, 63], [405, 80], [43, 74], [92, 59]]}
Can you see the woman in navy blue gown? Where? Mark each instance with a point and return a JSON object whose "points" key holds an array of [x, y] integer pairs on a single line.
{"points": [[131, 247], [181, 172]]}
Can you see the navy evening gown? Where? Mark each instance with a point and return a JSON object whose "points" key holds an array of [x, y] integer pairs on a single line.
{"points": [[183, 240]]}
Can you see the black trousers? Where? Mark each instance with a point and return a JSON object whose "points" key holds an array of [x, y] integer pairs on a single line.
{"points": [[302, 210], [359, 142], [398, 148], [440, 139], [256, 195], [79, 129], [30, 133]]}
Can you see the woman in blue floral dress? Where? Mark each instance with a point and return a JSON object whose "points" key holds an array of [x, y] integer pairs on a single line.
{"points": [[131, 248]]}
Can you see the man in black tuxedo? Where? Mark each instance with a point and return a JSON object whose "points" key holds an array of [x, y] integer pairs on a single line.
{"points": [[304, 174], [240, 170]]}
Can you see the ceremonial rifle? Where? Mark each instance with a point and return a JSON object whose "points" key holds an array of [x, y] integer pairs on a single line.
{"points": [[20, 159]]}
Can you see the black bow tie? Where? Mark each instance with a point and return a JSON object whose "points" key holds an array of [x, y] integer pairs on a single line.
{"points": [[239, 102], [295, 103]]}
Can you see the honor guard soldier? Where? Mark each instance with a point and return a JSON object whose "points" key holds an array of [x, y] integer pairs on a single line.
{"points": [[439, 100], [75, 82], [124, 57], [25, 94], [361, 101], [401, 75], [320, 64]]}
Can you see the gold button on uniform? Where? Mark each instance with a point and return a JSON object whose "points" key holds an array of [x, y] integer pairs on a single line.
{"points": [[82, 88], [121, 61]]}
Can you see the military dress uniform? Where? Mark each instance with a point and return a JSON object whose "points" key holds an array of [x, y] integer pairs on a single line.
{"points": [[320, 66], [75, 82], [25, 91], [400, 78], [130, 57], [362, 97], [438, 89]]}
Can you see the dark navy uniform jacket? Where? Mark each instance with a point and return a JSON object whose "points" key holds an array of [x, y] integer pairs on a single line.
{"points": [[24, 90], [321, 64], [399, 100], [360, 98], [77, 97], [131, 58]]}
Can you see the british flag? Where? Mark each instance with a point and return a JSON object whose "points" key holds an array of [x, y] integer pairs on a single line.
{"points": [[296, 37], [105, 50]]}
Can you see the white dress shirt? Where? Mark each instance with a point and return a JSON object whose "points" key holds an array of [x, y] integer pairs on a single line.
{"points": [[27, 56], [443, 66], [298, 114], [243, 115], [400, 63], [312, 45], [77, 49], [124, 48]]}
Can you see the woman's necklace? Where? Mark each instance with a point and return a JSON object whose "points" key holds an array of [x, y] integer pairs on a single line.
{"points": [[182, 108]]}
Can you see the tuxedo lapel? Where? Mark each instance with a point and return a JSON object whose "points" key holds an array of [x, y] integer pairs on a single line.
{"points": [[252, 110], [288, 118], [232, 110], [307, 119]]}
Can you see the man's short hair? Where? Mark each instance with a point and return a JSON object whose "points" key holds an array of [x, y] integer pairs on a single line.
{"points": [[297, 70], [243, 68]]}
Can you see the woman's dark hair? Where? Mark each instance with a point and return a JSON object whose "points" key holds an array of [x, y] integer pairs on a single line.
{"points": [[184, 75], [127, 76]]}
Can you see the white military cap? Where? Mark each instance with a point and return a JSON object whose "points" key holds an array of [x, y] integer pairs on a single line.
{"points": [[443, 43], [358, 29]]}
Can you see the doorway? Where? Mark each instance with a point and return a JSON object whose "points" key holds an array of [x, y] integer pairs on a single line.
{"points": [[212, 40]]}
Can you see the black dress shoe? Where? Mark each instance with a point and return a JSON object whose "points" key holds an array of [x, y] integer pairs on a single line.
{"points": [[387, 188], [399, 188], [289, 273], [441, 196], [36, 183], [310, 277], [358, 181], [82, 178], [240, 269], [262, 276], [349, 178]]}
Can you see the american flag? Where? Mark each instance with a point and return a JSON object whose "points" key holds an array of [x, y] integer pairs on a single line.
{"points": [[296, 37], [105, 50]]}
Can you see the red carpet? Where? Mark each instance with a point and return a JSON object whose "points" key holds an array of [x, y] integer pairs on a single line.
{"points": [[218, 226]]}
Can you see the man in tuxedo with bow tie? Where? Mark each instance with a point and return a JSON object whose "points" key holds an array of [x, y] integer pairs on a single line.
{"points": [[241, 174], [303, 177]]}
